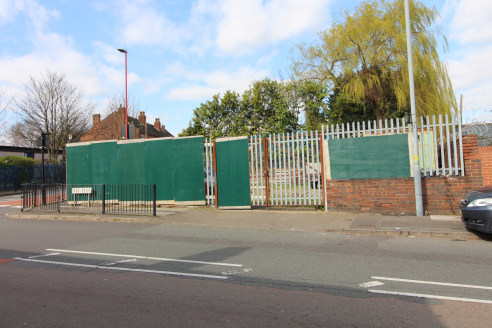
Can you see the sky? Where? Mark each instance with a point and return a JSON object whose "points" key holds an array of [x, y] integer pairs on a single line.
{"points": [[182, 52]]}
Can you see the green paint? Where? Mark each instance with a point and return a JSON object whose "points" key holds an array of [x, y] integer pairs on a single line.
{"points": [[370, 157], [188, 169], [159, 167], [79, 164], [233, 172]]}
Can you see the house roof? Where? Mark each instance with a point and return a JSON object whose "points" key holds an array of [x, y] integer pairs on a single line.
{"points": [[151, 129]]}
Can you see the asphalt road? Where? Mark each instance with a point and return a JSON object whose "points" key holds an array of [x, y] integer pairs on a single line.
{"points": [[101, 274]]}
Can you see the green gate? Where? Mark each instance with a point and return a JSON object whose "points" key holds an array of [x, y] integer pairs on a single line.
{"points": [[233, 173]]}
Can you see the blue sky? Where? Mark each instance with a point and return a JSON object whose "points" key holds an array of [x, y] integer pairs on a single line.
{"points": [[182, 52]]}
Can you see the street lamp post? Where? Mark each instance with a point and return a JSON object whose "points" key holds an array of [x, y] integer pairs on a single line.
{"points": [[126, 93], [416, 165]]}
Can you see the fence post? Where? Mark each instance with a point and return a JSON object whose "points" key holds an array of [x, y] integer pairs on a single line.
{"points": [[154, 200], [58, 204], [266, 173], [103, 206], [23, 198]]}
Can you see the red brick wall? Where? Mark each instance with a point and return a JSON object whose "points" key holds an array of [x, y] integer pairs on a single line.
{"points": [[396, 196], [486, 157]]}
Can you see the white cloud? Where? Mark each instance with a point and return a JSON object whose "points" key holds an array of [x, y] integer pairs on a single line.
{"points": [[256, 23], [50, 51], [203, 85], [144, 25], [471, 50], [472, 22]]}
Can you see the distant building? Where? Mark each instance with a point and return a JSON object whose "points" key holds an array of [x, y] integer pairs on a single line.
{"points": [[111, 127], [34, 153]]}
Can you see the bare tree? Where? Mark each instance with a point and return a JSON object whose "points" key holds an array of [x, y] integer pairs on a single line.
{"points": [[52, 105], [4, 106]]}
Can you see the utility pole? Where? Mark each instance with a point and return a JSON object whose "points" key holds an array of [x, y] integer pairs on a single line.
{"points": [[417, 180]]}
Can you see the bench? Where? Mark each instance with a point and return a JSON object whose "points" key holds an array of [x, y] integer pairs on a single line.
{"points": [[82, 191]]}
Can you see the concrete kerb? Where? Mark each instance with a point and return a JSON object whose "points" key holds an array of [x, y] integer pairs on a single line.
{"points": [[306, 221]]}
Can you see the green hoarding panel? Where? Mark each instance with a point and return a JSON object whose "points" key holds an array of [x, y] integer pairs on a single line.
{"points": [[188, 169], [79, 167], [370, 157], [159, 167], [104, 163], [105, 167], [131, 163], [131, 168], [233, 173]]}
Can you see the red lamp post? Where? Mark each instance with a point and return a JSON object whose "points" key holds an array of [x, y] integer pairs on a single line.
{"points": [[126, 93]]}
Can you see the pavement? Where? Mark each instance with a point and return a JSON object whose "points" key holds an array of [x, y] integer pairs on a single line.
{"points": [[291, 219]]}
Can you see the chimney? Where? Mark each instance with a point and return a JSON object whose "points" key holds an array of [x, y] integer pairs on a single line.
{"points": [[142, 118], [157, 124], [96, 118], [163, 127]]}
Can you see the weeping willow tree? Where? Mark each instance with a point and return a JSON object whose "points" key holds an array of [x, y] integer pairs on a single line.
{"points": [[364, 59]]}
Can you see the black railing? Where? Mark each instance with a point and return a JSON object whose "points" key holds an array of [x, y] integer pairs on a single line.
{"points": [[90, 198]]}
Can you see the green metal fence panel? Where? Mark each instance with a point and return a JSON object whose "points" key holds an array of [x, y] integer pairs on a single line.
{"points": [[233, 173], [131, 159], [159, 168], [79, 164], [131, 168], [189, 170], [370, 157], [104, 163]]}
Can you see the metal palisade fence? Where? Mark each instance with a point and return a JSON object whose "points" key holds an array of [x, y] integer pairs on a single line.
{"points": [[287, 169], [440, 140]]}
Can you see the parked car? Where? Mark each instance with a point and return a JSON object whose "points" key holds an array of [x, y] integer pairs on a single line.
{"points": [[476, 209]]}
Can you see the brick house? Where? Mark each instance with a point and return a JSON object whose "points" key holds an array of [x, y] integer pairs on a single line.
{"points": [[110, 128]]}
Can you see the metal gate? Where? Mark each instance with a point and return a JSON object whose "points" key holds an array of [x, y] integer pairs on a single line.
{"points": [[286, 169]]}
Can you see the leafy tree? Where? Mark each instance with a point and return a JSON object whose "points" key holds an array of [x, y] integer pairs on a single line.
{"points": [[311, 99], [267, 109], [268, 106], [363, 61], [53, 105]]}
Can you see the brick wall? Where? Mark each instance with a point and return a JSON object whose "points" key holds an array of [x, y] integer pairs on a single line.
{"points": [[485, 154], [396, 196]]}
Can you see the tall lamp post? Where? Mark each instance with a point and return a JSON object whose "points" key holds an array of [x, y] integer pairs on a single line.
{"points": [[416, 165], [126, 93]]}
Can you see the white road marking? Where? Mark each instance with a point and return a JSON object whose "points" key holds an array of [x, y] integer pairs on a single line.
{"points": [[238, 271], [371, 284], [43, 255], [144, 257], [14, 206], [183, 274], [118, 262], [433, 283], [470, 300]]}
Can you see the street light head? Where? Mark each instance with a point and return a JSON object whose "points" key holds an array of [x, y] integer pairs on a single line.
{"points": [[123, 51]]}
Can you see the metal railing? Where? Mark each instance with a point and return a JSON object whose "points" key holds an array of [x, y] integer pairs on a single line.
{"points": [[139, 199]]}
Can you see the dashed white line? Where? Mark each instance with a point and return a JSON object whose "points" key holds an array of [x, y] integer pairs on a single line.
{"points": [[144, 257], [371, 284], [437, 283], [43, 255], [447, 298], [183, 274]]}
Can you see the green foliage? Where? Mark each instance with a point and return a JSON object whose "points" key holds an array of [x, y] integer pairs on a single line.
{"points": [[268, 106], [17, 161], [363, 61]]}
